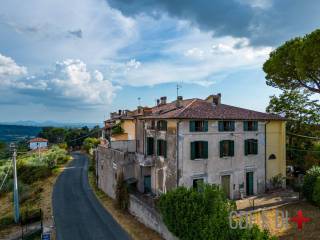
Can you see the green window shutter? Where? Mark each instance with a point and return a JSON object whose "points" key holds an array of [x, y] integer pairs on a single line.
{"points": [[158, 125], [192, 126], [165, 125], [255, 147], [231, 148], [255, 126], [205, 149], [232, 126], [193, 150], [205, 126], [246, 147], [220, 124], [245, 126], [165, 148], [221, 149], [158, 147]]}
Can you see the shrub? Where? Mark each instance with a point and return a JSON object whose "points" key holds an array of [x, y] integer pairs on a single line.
{"points": [[5, 221], [316, 192], [29, 174], [277, 181], [202, 213], [309, 182]]}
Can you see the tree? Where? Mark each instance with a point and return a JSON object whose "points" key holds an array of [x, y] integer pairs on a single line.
{"points": [[90, 143], [303, 118], [295, 64]]}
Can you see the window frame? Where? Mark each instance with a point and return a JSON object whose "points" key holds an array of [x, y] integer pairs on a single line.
{"points": [[202, 128], [251, 147], [162, 125], [162, 145], [199, 154], [250, 125], [230, 148], [223, 128]]}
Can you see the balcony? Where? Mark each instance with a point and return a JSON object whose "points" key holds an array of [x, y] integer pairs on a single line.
{"points": [[145, 161]]}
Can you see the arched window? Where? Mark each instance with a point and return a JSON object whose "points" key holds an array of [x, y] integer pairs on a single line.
{"points": [[272, 157]]}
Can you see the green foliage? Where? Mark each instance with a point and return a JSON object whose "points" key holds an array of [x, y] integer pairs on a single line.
{"points": [[276, 181], [254, 233], [316, 192], [90, 143], [309, 182], [73, 137], [117, 129], [303, 117], [122, 193], [202, 214], [295, 64]]}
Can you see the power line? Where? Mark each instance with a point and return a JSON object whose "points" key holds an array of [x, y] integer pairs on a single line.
{"points": [[303, 136]]}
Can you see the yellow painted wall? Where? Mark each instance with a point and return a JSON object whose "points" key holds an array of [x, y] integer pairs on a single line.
{"points": [[129, 127], [129, 133], [276, 144]]}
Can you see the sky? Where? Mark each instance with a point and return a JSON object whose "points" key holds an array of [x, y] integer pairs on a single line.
{"points": [[79, 60]]}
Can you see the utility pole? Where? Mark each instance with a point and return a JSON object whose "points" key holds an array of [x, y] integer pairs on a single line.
{"points": [[15, 187]]}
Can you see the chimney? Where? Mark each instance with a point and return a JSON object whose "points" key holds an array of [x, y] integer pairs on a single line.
{"points": [[158, 102], [216, 99], [178, 102], [119, 112], [163, 100]]}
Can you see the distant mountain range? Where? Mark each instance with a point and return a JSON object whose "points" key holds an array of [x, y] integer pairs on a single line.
{"points": [[50, 124], [15, 131]]}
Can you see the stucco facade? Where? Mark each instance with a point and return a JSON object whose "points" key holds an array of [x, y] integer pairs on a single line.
{"points": [[212, 169]]}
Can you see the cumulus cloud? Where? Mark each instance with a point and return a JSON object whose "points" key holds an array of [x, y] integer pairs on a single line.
{"points": [[194, 57], [263, 22], [9, 71], [70, 84]]}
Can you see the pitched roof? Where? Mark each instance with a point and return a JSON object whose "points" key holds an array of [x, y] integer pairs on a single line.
{"points": [[202, 109], [38, 140]]}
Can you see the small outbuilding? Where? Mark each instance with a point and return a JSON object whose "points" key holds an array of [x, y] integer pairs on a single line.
{"points": [[37, 143]]}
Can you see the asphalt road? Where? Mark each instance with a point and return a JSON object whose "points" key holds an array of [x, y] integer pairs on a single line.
{"points": [[77, 213]]}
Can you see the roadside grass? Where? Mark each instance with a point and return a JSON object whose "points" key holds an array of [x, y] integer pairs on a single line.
{"points": [[310, 230], [36, 182], [134, 228]]}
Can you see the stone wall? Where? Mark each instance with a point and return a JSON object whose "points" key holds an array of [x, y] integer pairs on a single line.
{"points": [[149, 217]]}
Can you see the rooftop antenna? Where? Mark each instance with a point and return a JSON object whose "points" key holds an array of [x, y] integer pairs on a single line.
{"points": [[139, 101], [178, 87]]}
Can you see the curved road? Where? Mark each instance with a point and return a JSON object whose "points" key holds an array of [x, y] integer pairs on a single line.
{"points": [[77, 212]]}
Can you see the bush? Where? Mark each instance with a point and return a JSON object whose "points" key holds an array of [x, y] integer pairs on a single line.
{"points": [[5, 221], [309, 182], [29, 174], [202, 214], [316, 192]]}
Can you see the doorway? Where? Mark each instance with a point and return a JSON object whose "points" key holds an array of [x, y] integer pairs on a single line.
{"points": [[249, 183], [147, 184], [225, 183]]}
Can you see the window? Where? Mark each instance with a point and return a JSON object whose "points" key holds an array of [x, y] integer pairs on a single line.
{"points": [[199, 149], [150, 146], [198, 126], [153, 125], [197, 182], [227, 148], [226, 126], [250, 146], [250, 126], [162, 125], [162, 148]]}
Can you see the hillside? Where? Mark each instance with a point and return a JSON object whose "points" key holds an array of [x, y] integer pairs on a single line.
{"points": [[10, 133]]}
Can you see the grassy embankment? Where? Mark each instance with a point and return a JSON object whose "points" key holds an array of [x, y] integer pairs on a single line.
{"points": [[133, 227], [36, 179]]}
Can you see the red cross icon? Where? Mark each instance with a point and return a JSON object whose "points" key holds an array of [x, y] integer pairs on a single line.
{"points": [[299, 219]]}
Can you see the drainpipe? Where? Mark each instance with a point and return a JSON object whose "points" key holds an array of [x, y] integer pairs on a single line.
{"points": [[265, 155], [178, 122]]}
